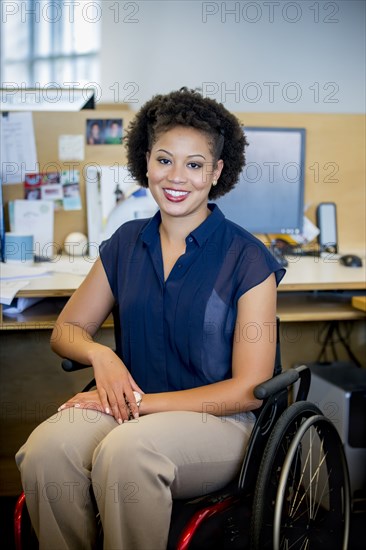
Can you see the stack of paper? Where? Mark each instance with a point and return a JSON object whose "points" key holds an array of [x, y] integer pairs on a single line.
{"points": [[34, 218], [15, 277]]}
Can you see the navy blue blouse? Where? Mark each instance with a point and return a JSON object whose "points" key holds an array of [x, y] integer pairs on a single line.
{"points": [[178, 334]]}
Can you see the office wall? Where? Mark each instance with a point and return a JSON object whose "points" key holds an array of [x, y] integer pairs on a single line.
{"points": [[254, 56], [334, 167]]}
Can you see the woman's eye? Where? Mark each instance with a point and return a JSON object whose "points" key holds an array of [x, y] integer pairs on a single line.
{"points": [[164, 161], [195, 165]]}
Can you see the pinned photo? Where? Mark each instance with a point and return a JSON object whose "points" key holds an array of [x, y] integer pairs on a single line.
{"points": [[71, 189], [104, 131], [44, 186]]}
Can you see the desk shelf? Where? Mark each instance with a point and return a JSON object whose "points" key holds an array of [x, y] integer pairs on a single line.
{"points": [[292, 307], [303, 307], [40, 316]]}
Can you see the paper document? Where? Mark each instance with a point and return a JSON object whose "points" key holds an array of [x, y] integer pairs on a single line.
{"points": [[8, 290], [11, 271], [107, 187], [71, 147], [70, 264], [18, 147], [20, 304], [34, 218]]}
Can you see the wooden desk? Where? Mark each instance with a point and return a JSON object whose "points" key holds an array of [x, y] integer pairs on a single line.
{"points": [[307, 293], [324, 273], [359, 302], [320, 289]]}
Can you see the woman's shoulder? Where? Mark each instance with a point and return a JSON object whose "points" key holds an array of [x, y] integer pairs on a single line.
{"points": [[252, 255], [242, 236]]}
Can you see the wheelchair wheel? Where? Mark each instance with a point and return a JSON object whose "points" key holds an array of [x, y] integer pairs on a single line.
{"points": [[302, 499]]}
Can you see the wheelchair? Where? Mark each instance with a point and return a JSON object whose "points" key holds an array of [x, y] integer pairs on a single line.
{"points": [[292, 492]]}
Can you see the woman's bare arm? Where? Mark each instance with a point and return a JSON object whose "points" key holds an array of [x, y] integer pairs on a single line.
{"points": [[82, 316], [72, 337]]}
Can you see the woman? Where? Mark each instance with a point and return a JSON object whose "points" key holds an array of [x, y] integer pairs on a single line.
{"points": [[196, 301]]}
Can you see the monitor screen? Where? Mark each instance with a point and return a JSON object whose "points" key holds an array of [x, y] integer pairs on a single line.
{"points": [[269, 196]]}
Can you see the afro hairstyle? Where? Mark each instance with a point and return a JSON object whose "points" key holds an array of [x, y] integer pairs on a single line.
{"points": [[188, 108]]}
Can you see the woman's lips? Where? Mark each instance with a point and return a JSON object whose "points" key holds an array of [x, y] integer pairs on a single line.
{"points": [[173, 195]]}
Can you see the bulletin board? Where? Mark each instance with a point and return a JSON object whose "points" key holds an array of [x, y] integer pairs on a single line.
{"points": [[47, 128], [335, 163]]}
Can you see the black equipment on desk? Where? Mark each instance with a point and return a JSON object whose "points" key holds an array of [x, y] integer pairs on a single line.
{"points": [[326, 217]]}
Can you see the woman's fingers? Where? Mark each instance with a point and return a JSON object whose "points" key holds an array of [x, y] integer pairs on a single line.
{"points": [[104, 400], [116, 385], [114, 403], [131, 402], [84, 401], [119, 409]]}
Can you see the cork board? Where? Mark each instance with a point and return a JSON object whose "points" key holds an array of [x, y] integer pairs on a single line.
{"points": [[335, 163]]}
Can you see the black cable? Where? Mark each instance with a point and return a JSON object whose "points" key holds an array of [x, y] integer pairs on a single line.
{"points": [[332, 337], [351, 355], [322, 357]]}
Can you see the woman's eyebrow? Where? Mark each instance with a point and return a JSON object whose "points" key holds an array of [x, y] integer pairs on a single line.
{"points": [[164, 151], [189, 156], [197, 155]]}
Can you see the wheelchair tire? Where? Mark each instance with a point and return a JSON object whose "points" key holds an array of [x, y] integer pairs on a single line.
{"points": [[302, 498]]}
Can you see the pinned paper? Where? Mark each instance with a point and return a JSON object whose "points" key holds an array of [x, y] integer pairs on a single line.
{"points": [[34, 218], [18, 146], [71, 189], [71, 147]]}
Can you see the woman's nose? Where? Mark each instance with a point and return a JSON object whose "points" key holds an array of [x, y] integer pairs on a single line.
{"points": [[177, 174]]}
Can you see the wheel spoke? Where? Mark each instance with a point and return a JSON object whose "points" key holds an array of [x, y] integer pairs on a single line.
{"points": [[302, 502]]}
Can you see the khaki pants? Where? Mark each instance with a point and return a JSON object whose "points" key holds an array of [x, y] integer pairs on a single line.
{"points": [[135, 469]]}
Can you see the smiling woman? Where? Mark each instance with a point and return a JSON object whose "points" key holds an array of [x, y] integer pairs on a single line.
{"points": [[181, 169], [184, 286]]}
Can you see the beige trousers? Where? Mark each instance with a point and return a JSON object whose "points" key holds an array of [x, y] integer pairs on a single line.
{"points": [[135, 470]]}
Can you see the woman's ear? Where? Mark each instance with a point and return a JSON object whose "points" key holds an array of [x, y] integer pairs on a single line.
{"points": [[147, 162], [218, 169]]}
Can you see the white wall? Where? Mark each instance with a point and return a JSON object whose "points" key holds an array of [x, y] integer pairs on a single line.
{"points": [[263, 56]]}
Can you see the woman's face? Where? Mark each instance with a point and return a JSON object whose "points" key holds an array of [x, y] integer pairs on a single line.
{"points": [[181, 170]]}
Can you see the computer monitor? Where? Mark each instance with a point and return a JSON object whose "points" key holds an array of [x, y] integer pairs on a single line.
{"points": [[269, 197]]}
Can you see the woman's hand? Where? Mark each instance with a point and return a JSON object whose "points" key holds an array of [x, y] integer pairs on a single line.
{"points": [[84, 400], [88, 400], [115, 385]]}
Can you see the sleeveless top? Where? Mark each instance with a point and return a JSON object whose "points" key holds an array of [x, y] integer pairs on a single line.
{"points": [[178, 334]]}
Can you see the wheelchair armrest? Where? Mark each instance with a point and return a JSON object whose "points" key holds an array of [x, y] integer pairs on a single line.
{"points": [[69, 365], [285, 379], [276, 384]]}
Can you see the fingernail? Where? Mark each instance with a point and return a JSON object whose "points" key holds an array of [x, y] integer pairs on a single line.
{"points": [[61, 407], [125, 421], [77, 405], [119, 421], [107, 411], [136, 415]]}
